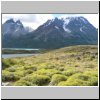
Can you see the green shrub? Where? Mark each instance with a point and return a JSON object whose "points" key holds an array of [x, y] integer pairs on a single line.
{"points": [[21, 62], [80, 79], [20, 73], [77, 65], [91, 73], [74, 80], [70, 72], [30, 67], [7, 76], [39, 80], [57, 78], [12, 61], [49, 66], [29, 71], [60, 68], [7, 63], [47, 72], [93, 80], [90, 65], [12, 69], [23, 83], [71, 83], [62, 83], [92, 57]]}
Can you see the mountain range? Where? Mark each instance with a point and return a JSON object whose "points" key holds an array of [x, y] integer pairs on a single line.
{"points": [[54, 33]]}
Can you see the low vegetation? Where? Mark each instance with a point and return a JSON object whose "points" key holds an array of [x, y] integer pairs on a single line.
{"points": [[69, 66]]}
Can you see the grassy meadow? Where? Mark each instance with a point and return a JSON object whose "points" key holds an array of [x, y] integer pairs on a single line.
{"points": [[68, 66]]}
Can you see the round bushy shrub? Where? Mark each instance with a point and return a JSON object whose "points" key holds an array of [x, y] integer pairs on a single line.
{"points": [[57, 78], [47, 72], [12, 69], [70, 72], [7, 63], [39, 80], [60, 68], [91, 73], [30, 67], [71, 83], [93, 77], [80, 79], [10, 77], [23, 83], [29, 71]]}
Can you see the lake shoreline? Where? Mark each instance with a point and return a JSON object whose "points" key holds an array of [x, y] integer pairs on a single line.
{"points": [[5, 56], [23, 51]]}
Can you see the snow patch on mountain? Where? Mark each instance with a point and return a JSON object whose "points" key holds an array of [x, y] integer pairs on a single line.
{"points": [[81, 29], [67, 30], [48, 23], [84, 20], [56, 27], [66, 21]]}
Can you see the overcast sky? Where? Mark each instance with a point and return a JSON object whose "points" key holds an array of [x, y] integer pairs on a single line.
{"points": [[35, 20]]}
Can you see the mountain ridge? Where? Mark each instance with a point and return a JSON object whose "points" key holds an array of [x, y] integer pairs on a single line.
{"points": [[56, 33]]}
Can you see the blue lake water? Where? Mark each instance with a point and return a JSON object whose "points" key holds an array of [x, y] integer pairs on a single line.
{"points": [[29, 49], [17, 55]]}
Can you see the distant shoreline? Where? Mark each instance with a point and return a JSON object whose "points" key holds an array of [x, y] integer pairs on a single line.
{"points": [[29, 49], [22, 51]]}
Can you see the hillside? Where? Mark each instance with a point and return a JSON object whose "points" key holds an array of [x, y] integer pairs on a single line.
{"points": [[69, 66]]}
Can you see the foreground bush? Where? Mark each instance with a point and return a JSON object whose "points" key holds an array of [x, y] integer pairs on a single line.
{"points": [[7, 76], [47, 72], [70, 72], [12, 69], [80, 79], [57, 78], [34, 79], [23, 83], [8, 63]]}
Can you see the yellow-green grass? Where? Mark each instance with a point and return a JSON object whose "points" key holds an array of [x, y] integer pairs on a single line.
{"points": [[69, 66]]}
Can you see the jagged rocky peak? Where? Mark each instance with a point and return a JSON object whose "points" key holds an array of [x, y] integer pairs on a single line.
{"points": [[56, 19], [10, 21], [18, 22]]}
